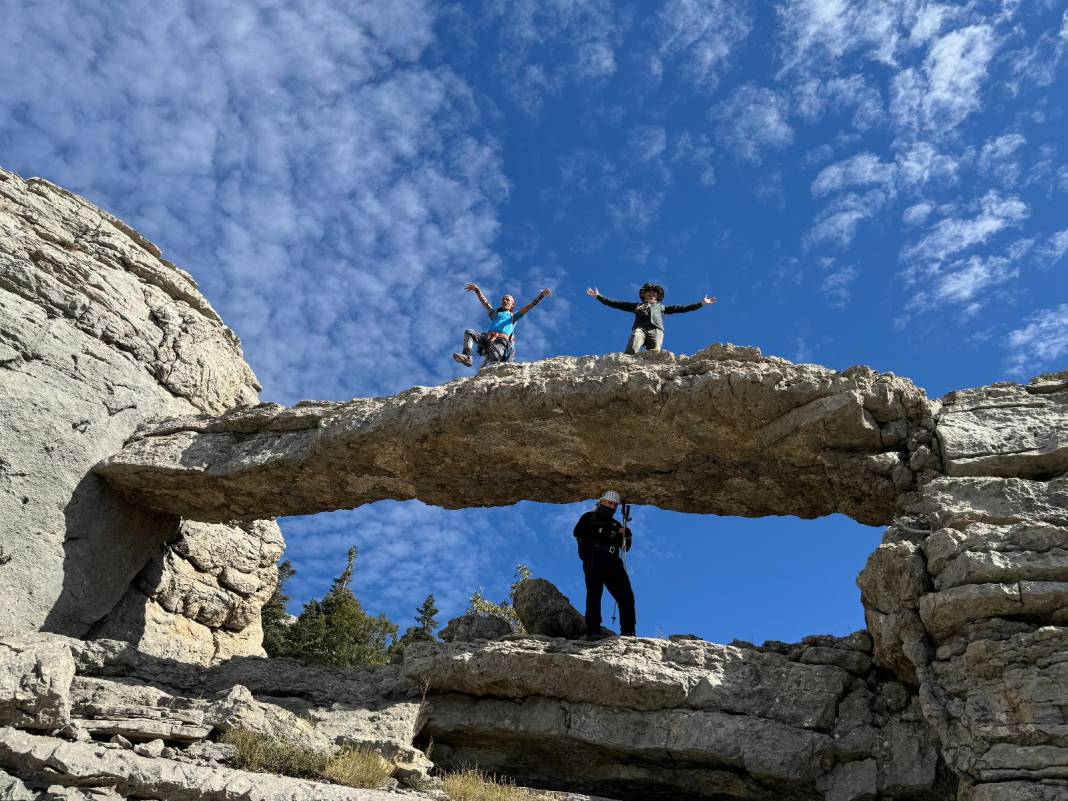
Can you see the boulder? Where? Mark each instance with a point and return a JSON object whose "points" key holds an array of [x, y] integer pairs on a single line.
{"points": [[543, 609], [474, 626]]}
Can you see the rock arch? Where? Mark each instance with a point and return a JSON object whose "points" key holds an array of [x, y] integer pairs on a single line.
{"points": [[725, 431], [957, 690]]}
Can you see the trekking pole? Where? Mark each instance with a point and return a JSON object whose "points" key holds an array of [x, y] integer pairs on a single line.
{"points": [[622, 554]]}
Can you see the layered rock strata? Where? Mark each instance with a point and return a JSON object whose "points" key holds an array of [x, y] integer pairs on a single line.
{"points": [[725, 431], [99, 333], [972, 608], [624, 719]]}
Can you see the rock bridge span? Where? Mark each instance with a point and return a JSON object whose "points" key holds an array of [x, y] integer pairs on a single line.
{"points": [[725, 431]]}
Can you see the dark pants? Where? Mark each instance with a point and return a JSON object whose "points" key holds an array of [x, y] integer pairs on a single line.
{"points": [[603, 569], [493, 351]]}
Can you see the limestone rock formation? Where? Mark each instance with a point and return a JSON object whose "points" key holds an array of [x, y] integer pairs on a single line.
{"points": [[98, 334], [971, 608], [725, 431], [110, 357], [802, 721], [474, 626]]}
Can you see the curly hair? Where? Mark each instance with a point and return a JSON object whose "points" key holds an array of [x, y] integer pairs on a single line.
{"points": [[655, 288]]}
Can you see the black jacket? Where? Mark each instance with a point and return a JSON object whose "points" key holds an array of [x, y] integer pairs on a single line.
{"points": [[600, 526], [652, 316]]}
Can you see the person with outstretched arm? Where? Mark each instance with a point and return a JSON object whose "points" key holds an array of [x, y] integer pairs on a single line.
{"points": [[648, 328], [498, 343]]}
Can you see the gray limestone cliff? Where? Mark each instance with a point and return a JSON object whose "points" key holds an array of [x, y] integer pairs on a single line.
{"points": [[98, 334]]}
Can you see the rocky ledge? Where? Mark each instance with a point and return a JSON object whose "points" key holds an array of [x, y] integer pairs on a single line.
{"points": [[725, 431], [623, 718]]}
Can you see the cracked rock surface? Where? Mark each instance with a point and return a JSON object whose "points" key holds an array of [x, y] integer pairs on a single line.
{"points": [[98, 334], [725, 431], [624, 719], [971, 608]]}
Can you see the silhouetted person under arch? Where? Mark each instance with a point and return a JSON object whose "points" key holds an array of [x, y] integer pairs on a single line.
{"points": [[601, 542]]}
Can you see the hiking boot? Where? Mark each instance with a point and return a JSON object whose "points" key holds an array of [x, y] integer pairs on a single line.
{"points": [[601, 635], [463, 358]]}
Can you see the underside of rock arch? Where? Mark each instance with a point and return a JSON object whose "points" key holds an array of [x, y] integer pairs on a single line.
{"points": [[130, 597]]}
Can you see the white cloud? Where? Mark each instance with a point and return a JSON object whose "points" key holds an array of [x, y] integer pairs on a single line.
{"points": [[635, 210], [817, 33], [917, 213], [929, 22], [964, 280], [813, 97], [953, 235], [837, 224], [941, 95], [1037, 64], [702, 34], [863, 169], [1054, 249], [1000, 148], [921, 163], [547, 44], [1041, 343], [836, 281], [647, 142], [695, 151], [751, 120]]}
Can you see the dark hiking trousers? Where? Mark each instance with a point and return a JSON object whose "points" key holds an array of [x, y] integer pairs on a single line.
{"points": [[604, 569], [497, 350]]}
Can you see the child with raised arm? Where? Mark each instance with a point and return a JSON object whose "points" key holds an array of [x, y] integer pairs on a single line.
{"points": [[648, 327], [498, 343]]}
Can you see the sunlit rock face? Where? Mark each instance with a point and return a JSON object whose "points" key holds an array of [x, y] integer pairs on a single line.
{"points": [[725, 431], [971, 607], [98, 334]]}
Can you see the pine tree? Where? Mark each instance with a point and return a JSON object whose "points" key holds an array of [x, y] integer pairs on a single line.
{"points": [[337, 631], [275, 618], [426, 617]]}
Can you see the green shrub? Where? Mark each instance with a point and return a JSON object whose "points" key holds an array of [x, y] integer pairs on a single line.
{"points": [[353, 767], [474, 785]]}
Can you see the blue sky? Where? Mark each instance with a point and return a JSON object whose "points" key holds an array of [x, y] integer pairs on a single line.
{"points": [[881, 182]]}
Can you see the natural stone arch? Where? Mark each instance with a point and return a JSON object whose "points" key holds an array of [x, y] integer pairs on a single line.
{"points": [[965, 600], [725, 431]]}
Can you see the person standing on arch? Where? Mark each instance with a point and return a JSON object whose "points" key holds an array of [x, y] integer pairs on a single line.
{"points": [[648, 328], [601, 542], [498, 343]]}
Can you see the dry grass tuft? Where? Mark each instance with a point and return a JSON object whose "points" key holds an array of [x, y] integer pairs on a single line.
{"points": [[474, 785], [358, 767], [263, 754], [353, 767]]}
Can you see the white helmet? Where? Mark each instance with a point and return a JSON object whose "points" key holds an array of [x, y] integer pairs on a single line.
{"points": [[609, 495]]}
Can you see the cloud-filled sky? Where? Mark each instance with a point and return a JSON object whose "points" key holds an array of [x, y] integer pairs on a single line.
{"points": [[878, 181]]}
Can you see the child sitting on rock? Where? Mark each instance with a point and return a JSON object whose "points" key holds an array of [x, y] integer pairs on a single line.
{"points": [[498, 343], [648, 328]]}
